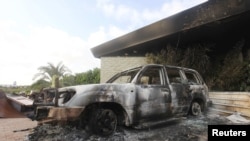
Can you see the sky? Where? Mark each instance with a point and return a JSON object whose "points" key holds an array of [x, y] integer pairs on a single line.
{"points": [[34, 33]]}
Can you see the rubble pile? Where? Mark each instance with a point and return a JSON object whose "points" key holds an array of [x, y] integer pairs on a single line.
{"points": [[190, 129]]}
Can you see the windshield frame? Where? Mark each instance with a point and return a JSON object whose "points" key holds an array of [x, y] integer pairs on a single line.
{"points": [[131, 72]]}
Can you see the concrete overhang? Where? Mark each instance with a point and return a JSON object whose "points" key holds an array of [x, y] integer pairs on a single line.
{"points": [[211, 20]]}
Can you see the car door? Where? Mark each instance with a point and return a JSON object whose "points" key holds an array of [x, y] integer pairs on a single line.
{"points": [[153, 97], [197, 86], [194, 80], [180, 91]]}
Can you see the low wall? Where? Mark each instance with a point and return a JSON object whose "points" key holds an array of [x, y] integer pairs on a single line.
{"points": [[230, 102]]}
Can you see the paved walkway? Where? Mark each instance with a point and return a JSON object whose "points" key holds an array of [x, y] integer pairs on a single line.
{"points": [[16, 129]]}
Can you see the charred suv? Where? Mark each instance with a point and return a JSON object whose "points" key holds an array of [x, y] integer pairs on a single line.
{"points": [[147, 93]]}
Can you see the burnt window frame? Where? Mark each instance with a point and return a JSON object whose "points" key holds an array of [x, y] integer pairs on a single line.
{"points": [[199, 81], [195, 79], [161, 72], [172, 79], [133, 73]]}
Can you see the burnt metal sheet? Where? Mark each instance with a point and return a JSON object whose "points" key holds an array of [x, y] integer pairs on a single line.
{"points": [[21, 100], [6, 108]]}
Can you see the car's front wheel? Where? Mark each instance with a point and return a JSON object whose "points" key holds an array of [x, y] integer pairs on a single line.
{"points": [[103, 122], [195, 109]]}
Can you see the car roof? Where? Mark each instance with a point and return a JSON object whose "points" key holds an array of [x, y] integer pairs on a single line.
{"points": [[169, 66]]}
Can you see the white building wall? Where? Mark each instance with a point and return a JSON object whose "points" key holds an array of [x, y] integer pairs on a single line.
{"points": [[113, 65]]}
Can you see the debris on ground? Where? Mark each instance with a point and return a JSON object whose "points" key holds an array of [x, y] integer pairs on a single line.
{"points": [[189, 129], [237, 118]]}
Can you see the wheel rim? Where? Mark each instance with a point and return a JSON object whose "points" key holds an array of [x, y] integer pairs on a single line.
{"points": [[196, 108], [106, 122]]}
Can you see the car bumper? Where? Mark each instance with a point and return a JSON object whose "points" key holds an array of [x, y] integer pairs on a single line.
{"points": [[58, 113]]}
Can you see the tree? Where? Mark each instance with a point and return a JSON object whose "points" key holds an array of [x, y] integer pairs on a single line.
{"points": [[88, 77], [68, 80], [47, 72], [96, 75], [38, 85]]}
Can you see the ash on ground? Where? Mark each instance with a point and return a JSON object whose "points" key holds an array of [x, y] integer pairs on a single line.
{"points": [[188, 129]]}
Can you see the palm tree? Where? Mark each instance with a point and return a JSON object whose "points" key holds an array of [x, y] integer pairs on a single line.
{"points": [[47, 72]]}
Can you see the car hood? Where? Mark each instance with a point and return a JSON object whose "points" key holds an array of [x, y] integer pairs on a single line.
{"points": [[86, 94]]}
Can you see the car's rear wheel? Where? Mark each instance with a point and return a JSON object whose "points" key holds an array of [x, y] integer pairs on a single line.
{"points": [[103, 122], [195, 109]]}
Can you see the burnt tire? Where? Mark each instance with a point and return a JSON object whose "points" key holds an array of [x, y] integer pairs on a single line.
{"points": [[103, 122], [195, 109]]}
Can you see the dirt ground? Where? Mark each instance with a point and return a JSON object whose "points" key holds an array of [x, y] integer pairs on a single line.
{"points": [[15, 129], [187, 129]]}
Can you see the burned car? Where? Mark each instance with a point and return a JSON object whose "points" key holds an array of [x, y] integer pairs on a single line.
{"points": [[147, 93]]}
